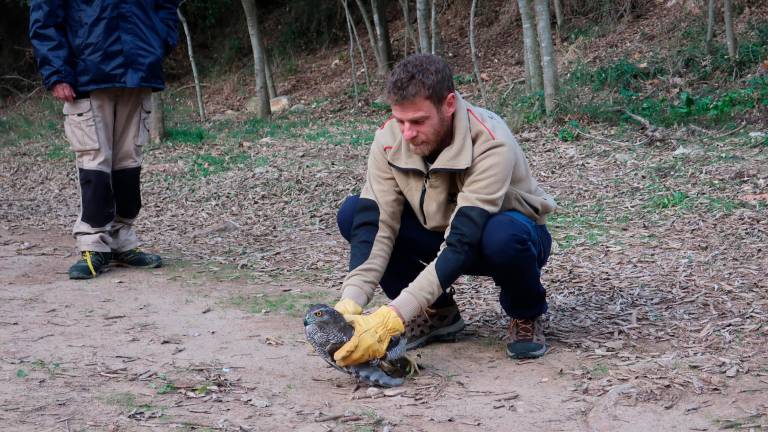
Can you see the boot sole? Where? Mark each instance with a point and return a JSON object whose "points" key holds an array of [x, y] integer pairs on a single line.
{"points": [[443, 334], [528, 355], [126, 265], [83, 277]]}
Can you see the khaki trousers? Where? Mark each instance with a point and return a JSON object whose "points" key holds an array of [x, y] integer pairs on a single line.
{"points": [[107, 131]]}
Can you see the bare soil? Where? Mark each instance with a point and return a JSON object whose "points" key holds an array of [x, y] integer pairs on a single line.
{"points": [[165, 350]]}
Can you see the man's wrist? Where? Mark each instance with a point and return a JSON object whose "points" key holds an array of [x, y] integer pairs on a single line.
{"points": [[397, 312]]}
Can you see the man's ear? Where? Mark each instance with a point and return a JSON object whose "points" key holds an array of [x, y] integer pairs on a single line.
{"points": [[449, 104]]}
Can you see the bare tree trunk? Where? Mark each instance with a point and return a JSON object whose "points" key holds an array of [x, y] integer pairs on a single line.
{"points": [[262, 93], [371, 35], [730, 35], [473, 52], [548, 61], [350, 21], [422, 13], [191, 53], [350, 25], [436, 38], [533, 77], [268, 73], [409, 32], [710, 25], [558, 15], [382, 36], [157, 119]]}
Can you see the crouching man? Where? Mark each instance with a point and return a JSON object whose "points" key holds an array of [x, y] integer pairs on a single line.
{"points": [[448, 191]]}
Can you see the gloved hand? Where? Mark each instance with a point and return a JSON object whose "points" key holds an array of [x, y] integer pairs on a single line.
{"points": [[348, 308], [371, 338]]}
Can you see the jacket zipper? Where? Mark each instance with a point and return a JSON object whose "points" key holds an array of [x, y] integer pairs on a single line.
{"points": [[423, 194]]}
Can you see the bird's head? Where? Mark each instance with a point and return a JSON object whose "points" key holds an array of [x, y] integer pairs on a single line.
{"points": [[322, 315]]}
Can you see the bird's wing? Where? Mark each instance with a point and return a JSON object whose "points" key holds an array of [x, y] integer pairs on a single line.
{"points": [[395, 349], [329, 351]]}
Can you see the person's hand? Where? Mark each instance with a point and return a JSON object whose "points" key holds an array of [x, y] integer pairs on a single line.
{"points": [[371, 338], [63, 92], [348, 308]]}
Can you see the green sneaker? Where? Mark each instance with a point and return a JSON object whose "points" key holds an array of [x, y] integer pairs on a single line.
{"points": [[90, 265], [527, 339], [137, 258]]}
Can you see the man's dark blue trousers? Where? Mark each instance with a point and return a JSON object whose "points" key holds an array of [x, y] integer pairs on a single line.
{"points": [[513, 250]]}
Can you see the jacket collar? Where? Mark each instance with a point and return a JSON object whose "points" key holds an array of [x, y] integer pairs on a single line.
{"points": [[456, 157]]}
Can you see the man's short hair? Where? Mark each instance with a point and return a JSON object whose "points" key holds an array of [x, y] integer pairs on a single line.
{"points": [[420, 75]]}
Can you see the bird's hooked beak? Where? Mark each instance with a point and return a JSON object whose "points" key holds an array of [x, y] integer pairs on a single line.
{"points": [[305, 322]]}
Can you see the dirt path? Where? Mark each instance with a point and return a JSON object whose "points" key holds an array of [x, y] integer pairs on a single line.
{"points": [[159, 350]]}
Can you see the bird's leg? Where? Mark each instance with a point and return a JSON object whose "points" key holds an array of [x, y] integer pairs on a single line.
{"points": [[400, 367]]}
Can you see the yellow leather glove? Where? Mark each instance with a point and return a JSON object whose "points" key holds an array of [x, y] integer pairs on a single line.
{"points": [[372, 335], [348, 308]]}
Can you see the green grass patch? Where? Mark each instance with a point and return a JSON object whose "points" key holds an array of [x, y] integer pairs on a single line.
{"points": [[570, 132], [206, 164], [355, 133], [59, 151], [462, 79], [669, 200], [599, 370], [50, 367], [687, 85], [350, 91], [19, 128], [722, 205], [379, 105], [290, 303], [127, 402], [166, 388], [124, 400], [586, 225], [186, 135]]}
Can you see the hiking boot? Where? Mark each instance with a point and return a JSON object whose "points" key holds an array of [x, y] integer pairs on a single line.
{"points": [[89, 265], [137, 258], [527, 339], [442, 324]]}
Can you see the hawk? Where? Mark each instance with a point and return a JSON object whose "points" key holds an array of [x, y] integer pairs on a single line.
{"points": [[327, 330]]}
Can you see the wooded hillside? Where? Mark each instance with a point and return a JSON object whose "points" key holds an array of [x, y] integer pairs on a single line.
{"points": [[668, 62]]}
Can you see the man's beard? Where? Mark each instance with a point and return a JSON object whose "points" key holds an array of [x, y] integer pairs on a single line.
{"points": [[442, 140]]}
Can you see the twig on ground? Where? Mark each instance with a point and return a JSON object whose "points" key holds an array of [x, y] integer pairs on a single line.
{"points": [[328, 418], [597, 137], [27, 96], [639, 119], [17, 77], [731, 132], [188, 86]]}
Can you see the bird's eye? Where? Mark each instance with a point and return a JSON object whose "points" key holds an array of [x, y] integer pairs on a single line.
{"points": [[318, 313]]}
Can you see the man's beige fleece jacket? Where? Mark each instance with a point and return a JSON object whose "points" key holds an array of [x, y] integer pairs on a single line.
{"points": [[481, 173]]}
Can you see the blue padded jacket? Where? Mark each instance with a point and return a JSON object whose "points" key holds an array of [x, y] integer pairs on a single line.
{"points": [[102, 43]]}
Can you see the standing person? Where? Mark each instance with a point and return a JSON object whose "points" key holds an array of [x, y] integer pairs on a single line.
{"points": [[103, 60], [448, 192]]}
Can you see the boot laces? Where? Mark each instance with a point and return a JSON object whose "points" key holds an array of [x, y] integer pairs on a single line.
{"points": [[88, 257], [525, 328]]}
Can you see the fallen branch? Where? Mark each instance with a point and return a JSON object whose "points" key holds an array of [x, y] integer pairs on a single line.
{"points": [[596, 137], [328, 418], [188, 86], [27, 96], [644, 122], [730, 132], [17, 77]]}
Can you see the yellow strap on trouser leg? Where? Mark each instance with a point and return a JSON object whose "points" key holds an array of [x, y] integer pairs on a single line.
{"points": [[88, 260]]}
